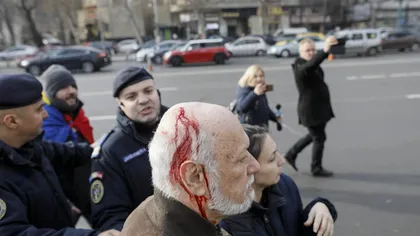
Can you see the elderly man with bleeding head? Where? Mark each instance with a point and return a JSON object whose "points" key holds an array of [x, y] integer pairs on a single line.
{"points": [[201, 171]]}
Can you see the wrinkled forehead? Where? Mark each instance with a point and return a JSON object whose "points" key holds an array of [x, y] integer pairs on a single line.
{"points": [[231, 143]]}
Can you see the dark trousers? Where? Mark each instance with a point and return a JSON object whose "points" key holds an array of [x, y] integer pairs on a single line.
{"points": [[316, 136]]}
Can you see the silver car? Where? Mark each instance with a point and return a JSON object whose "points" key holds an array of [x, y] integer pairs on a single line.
{"points": [[292, 48]]}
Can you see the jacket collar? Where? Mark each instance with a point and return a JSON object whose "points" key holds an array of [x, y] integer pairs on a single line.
{"points": [[272, 198], [28, 154], [177, 219], [129, 127]]}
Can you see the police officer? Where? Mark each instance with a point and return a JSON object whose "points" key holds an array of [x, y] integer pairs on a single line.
{"points": [[121, 173], [32, 201]]}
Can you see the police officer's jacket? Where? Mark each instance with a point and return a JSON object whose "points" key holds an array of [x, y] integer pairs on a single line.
{"points": [[32, 201], [121, 173]]}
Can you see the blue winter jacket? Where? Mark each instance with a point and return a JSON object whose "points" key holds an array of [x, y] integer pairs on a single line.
{"points": [[281, 213], [253, 109]]}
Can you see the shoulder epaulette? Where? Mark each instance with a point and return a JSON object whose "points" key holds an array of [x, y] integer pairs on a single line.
{"points": [[97, 149]]}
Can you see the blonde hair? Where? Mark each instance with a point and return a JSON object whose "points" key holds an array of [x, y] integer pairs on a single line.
{"points": [[248, 78]]}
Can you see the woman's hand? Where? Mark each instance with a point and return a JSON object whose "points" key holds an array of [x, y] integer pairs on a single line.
{"points": [[321, 219], [260, 89]]}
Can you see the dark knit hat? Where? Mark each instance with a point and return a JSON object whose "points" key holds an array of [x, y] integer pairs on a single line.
{"points": [[130, 76], [57, 77], [19, 90]]}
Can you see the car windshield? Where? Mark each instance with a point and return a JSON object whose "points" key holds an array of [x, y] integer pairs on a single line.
{"points": [[178, 46]]}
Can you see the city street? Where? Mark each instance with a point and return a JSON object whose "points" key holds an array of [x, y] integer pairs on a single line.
{"points": [[372, 145]]}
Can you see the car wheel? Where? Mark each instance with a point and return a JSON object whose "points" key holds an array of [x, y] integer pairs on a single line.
{"points": [[285, 53], [219, 59], [158, 60], [88, 67], [372, 52], [34, 70], [176, 61], [415, 47], [260, 53]]}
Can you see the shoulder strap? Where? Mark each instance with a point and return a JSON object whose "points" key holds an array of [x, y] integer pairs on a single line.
{"points": [[97, 149]]}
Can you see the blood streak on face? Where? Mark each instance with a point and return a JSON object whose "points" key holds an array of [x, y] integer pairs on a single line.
{"points": [[184, 152]]}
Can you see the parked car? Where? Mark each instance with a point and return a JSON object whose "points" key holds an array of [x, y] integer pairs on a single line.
{"points": [[149, 52], [127, 46], [39, 53], [198, 51], [83, 58], [108, 46], [247, 46], [13, 53], [159, 52], [292, 48], [401, 41], [361, 41]]}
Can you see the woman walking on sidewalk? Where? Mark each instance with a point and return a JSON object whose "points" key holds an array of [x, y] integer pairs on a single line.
{"points": [[314, 106]]}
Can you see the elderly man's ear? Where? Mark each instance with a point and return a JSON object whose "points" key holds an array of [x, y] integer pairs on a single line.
{"points": [[193, 177]]}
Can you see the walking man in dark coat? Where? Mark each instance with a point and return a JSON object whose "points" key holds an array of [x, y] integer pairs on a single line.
{"points": [[314, 106]]}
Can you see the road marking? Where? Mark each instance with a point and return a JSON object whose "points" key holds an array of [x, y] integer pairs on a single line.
{"points": [[101, 118], [413, 96], [383, 76], [109, 93], [402, 75]]}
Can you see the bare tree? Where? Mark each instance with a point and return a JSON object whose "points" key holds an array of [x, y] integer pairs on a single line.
{"points": [[6, 11], [27, 7], [128, 7]]}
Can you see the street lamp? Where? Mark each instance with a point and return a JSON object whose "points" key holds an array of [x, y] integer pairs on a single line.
{"points": [[400, 16], [155, 12]]}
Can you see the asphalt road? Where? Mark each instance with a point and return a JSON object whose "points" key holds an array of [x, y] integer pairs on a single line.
{"points": [[372, 144]]}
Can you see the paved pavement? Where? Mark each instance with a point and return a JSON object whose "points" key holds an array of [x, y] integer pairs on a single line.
{"points": [[372, 144]]}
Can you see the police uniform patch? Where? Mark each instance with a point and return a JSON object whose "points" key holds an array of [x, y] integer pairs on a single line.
{"points": [[96, 191], [3, 208], [95, 175], [97, 149]]}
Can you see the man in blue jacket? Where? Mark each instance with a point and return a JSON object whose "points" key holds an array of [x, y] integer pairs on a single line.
{"points": [[32, 201], [121, 173], [67, 123]]}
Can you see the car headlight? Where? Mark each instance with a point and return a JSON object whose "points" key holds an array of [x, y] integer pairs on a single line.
{"points": [[167, 55], [24, 63]]}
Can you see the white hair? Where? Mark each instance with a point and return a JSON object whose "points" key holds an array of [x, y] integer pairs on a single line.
{"points": [[161, 153]]}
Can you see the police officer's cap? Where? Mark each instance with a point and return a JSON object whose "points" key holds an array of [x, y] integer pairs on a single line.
{"points": [[19, 90], [130, 76]]}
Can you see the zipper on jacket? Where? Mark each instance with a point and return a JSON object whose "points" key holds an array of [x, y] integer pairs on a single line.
{"points": [[268, 226], [57, 195]]}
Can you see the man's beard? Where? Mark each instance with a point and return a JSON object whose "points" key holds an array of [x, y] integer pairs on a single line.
{"points": [[223, 204]]}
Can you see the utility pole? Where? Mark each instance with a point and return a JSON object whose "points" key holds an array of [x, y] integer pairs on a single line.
{"points": [[325, 13], [156, 17]]}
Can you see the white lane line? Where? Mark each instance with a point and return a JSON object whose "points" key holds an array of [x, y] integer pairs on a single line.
{"points": [[101, 118], [403, 75], [352, 78], [413, 96], [109, 93], [373, 77]]}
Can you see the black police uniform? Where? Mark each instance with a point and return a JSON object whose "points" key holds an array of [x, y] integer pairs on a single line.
{"points": [[32, 201], [121, 173]]}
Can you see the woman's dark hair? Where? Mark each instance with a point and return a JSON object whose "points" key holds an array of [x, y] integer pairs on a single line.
{"points": [[256, 135]]}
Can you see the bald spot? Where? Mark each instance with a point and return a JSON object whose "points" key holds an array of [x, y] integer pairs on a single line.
{"points": [[215, 120]]}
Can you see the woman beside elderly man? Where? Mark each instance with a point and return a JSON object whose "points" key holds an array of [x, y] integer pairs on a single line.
{"points": [[277, 208]]}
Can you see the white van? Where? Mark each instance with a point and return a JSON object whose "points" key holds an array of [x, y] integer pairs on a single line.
{"points": [[361, 41]]}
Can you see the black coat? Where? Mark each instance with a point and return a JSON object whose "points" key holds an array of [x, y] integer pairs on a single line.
{"points": [[281, 214], [314, 106], [121, 165], [32, 201]]}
